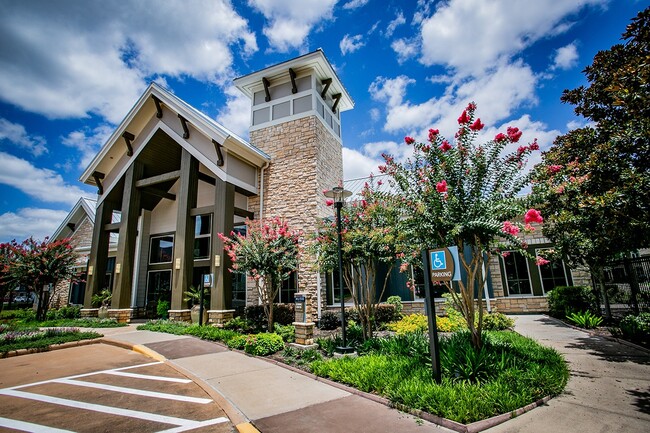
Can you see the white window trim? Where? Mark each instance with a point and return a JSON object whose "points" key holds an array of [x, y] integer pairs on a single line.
{"points": [[505, 277], [539, 270]]}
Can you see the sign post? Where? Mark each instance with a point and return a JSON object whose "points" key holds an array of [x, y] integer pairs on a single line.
{"points": [[439, 265]]}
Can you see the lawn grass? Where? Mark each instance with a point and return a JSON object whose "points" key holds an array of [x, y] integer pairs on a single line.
{"points": [[510, 372], [35, 339], [79, 323], [210, 333]]}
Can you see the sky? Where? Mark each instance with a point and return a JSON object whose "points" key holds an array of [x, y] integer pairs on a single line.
{"points": [[70, 70]]}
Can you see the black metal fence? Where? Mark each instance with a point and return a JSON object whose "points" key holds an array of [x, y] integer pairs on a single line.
{"points": [[628, 285]]}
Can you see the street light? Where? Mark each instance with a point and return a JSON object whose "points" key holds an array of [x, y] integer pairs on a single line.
{"points": [[338, 194]]}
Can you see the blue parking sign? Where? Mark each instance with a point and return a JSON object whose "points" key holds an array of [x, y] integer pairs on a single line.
{"points": [[438, 260]]}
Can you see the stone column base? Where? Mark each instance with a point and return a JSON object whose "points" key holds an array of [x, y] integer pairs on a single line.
{"points": [[180, 315], [304, 333], [219, 317], [89, 312], [122, 315]]}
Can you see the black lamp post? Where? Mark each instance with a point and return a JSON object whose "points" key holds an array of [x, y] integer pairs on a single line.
{"points": [[339, 195]]}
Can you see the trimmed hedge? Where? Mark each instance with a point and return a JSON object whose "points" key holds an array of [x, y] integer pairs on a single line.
{"points": [[564, 300]]}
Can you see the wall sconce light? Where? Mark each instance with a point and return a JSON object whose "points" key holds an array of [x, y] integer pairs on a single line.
{"points": [[118, 268], [178, 263], [91, 269], [217, 261]]}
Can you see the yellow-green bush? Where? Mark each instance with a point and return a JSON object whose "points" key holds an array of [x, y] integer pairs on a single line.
{"points": [[411, 323], [451, 323]]}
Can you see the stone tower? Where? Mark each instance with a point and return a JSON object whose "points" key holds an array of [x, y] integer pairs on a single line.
{"points": [[296, 119]]}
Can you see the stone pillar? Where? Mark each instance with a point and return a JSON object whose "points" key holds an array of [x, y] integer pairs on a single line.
{"points": [[180, 315], [122, 315], [304, 328], [183, 262], [219, 317]]}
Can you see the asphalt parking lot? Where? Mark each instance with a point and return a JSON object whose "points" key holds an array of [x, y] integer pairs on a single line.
{"points": [[100, 388]]}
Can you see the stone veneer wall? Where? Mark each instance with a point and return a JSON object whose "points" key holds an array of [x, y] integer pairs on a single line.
{"points": [[81, 240], [306, 159]]}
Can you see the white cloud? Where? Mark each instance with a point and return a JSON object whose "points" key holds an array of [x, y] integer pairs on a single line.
{"points": [[398, 21], [62, 60], [27, 222], [87, 142], [566, 57], [357, 165], [390, 90], [405, 48], [350, 44], [236, 115], [374, 114], [355, 4], [40, 183], [16, 134], [471, 35], [289, 23]]}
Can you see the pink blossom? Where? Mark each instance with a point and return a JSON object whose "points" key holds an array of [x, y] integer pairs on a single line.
{"points": [[534, 145], [477, 125], [505, 254], [500, 137], [541, 261], [471, 106], [510, 228], [445, 146], [329, 202], [529, 229], [554, 168], [441, 186], [464, 118], [380, 183], [533, 216], [409, 140], [514, 134], [433, 133], [521, 150], [403, 267]]}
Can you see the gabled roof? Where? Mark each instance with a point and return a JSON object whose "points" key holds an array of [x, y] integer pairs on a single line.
{"points": [[114, 148], [85, 207]]}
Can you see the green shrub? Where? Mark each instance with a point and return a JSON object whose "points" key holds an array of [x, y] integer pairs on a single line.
{"points": [[585, 319], [451, 322], [68, 312], [329, 320], [396, 301], [411, 323], [564, 300], [385, 313], [327, 345], [497, 322], [162, 309], [263, 344], [282, 313], [211, 333], [287, 332], [168, 326], [238, 342], [636, 328], [239, 324]]}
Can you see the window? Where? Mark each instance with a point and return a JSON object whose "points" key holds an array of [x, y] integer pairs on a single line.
{"points": [[552, 274], [159, 288], [288, 289], [333, 290], [162, 249], [516, 271], [202, 235]]}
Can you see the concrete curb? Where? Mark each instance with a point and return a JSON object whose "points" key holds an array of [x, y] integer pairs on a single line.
{"points": [[67, 345], [239, 420]]}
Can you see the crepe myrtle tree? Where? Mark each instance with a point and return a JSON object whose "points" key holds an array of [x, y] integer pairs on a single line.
{"points": [[269, 253], [37, 265], [370, 237], [7, 283], [465, 194]]}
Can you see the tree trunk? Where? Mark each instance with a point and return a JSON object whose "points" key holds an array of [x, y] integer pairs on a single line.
{"points": [[600, 283]]}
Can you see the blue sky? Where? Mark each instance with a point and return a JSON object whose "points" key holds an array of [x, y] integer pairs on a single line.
{"points": [[70, 71]]}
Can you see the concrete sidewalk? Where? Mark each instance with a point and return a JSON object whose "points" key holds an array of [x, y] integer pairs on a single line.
{"points": [[609, 388]]}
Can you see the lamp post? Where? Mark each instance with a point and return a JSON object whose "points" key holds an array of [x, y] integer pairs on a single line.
{"points": [[338, 194]]}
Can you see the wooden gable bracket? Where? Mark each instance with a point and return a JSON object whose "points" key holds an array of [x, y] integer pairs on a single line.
{"points": [[217, 147], [71, 226], [128, 138], [336, 98], [159, 112], [292, 74], [327, 83], [186, 131], [98, 176], [266, 83]]}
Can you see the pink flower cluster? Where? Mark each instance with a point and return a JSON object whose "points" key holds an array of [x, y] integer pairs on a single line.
{"points": [[541, 261], [510, 228], [409, 140], [433, 134], [441, 186], [477, 125], [533, 216], [445, 146]]}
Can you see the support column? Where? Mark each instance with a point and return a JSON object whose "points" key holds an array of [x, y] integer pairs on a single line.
{"points": [[222, 222], [98, 252], [183, 263], [125, 259]]}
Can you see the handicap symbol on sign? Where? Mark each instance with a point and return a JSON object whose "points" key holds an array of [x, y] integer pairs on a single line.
{"points": [[438, 260]]}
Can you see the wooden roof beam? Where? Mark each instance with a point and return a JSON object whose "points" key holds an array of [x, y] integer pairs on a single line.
{"points": [[327, 82], [266, 84], [159, 111], [336, 98], [98, 176], [186, 131], [292, 74], [217, 147], [159, 193], [154, 180]]}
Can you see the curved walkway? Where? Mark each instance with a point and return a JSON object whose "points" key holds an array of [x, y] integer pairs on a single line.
{"points": [[608, 391]]}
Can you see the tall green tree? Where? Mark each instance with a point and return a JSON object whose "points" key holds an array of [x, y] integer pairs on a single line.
{"points": [[39, 266], [370, 238], [465, 194], [6, 281], [594, 182], [269, 253]]}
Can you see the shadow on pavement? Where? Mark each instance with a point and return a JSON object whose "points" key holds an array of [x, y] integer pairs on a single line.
{"points": [[641, 400]]}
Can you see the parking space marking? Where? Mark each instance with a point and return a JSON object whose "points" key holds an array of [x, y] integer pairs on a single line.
{"points": [[181, 422], [198, 424], [133, 391], [147, 377], [29, 427]]}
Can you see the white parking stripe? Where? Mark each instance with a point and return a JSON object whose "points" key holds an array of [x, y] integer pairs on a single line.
{"points": [[134, 391], [100, 408], [29, 427], [148, 377], [198, 424]]}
